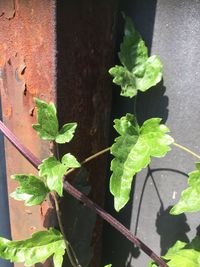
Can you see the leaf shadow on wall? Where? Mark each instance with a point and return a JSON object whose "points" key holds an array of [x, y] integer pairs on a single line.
{"points": [[170, 227], [153, 103]]}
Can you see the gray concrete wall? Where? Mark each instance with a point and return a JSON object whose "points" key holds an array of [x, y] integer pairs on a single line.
{"points": [[171, 30]]}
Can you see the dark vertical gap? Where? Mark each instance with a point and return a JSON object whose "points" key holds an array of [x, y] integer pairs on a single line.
{"points": [[116, 249], [84, 54], [4, 207]]}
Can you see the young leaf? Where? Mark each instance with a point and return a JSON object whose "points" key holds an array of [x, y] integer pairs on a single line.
{"points": [[70, 161], [32, 189], [190, 197], [53, 170], [66, 133], [183, 254], [48, 128], [36, 249], [133, 150], [139, 72]]}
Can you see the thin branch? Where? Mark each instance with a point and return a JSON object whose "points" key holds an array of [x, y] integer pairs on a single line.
{"points": [[187, 150], [21, 148], [114, 222], [90, 204], [101, 152], [70, 252]]}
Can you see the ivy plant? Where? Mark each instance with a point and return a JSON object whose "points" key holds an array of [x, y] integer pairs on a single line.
{"points": [[132, 151]]}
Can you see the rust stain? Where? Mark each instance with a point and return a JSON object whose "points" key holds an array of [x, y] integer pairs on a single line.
{"points": [[27, 70], [7, 9], [7, 110]]}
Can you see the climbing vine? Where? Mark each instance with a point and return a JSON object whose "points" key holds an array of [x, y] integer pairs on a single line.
{"points": [[132, 151]]}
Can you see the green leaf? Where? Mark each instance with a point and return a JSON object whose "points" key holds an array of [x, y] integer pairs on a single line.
{"points": [[70, 161], [182, 254], [108, 265], [34, 250], [133, 150], [32, 189], [48, 128], [54, 170], [152, 264], [190, 197], [139, 72], [66, 133]]}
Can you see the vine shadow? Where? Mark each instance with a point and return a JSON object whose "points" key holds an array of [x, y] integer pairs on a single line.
{"points": [[170, 228]]}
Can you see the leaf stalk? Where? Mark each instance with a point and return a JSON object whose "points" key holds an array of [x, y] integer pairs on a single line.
{"points": [[187, 150]]}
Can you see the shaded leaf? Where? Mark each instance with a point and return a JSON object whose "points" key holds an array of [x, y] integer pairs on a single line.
{"points": [[48, 128], [66, 133], [133, 150], [139, 72], [54, 170], [36, 249], [190, 197], [32, 189]]}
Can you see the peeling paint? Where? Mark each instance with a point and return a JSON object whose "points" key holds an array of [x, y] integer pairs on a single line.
{"points": [[7, 9], [8, 111], [26, 70]]}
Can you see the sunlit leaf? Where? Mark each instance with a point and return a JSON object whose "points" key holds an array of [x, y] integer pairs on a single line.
{"points": [[152, 264], [132, 152], [34, 250], [32, 189], [138, 71], [70, 161], [183, 254], [66, 133], [190, 197], [53, 170], [47, 126]]}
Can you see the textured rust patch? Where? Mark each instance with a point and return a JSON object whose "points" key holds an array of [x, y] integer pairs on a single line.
{"points": [[26, 70], [7, 9]]}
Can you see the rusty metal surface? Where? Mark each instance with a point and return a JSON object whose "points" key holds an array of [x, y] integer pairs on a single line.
{"points": [[26, 70], [7, 9], [85, 53]]}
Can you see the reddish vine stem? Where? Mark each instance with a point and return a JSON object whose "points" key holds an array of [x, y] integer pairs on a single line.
{"points": [[21, 148], [81, 197]]}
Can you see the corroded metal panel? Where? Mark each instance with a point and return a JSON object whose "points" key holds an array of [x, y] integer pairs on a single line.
{"points": [[27, 70], [85, 53]]}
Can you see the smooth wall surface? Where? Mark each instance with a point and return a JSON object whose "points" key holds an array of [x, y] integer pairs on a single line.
{"points": [[171, 30]]}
